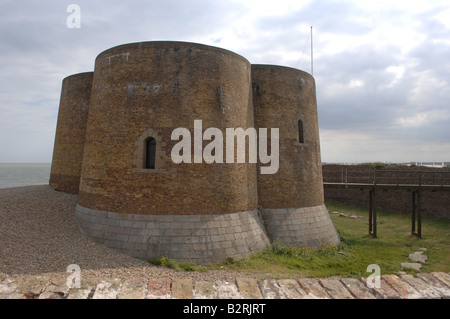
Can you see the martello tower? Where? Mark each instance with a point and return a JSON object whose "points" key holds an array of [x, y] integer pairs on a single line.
{"points": [[134, 198]]}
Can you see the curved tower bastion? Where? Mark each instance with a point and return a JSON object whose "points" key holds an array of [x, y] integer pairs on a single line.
{"points": [[292, 200], [134, 197], [70, 132]]}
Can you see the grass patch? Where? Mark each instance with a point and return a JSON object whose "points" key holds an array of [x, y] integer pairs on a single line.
{"points": [[174, 264], [353, 255]]}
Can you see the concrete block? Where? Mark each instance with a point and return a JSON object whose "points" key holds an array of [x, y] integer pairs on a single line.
{"points": [[248, 288], [182, 288], [159, 289], [204, 290]]}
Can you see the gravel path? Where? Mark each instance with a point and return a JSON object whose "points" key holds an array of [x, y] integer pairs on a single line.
{"points": [[39, 235]]}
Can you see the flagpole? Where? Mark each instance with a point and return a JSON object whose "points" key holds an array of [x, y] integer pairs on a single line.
{"points": [[312, 51]]}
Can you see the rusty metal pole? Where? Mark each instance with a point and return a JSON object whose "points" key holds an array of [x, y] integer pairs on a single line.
{"points": [[413, 216], [419, 214], [370, 211]]}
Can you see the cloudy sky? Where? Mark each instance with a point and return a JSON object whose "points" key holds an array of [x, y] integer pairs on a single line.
{"points": [[382, 67]]}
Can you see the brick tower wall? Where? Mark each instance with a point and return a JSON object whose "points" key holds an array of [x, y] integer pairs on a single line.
{"points": [[292, 200], [149, 89], [196, 212], [70, 132]]}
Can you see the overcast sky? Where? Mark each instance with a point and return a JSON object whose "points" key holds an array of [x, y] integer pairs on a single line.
{"points": [[382, 68]]}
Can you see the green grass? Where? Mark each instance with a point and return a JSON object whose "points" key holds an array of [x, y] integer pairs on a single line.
{"points": [[355, 253]]}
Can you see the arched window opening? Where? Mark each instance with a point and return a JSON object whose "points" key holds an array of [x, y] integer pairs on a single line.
{"points": [[301, 137], [150, 153]]}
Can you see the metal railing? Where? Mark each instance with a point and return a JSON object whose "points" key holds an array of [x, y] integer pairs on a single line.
{"points": [[385, 176]]}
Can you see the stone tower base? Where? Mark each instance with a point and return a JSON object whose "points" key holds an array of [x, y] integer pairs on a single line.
{"points": [[195, 238], [303, 227]]}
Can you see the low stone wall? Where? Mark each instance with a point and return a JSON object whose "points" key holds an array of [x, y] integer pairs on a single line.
{"points": [[433, 203]]}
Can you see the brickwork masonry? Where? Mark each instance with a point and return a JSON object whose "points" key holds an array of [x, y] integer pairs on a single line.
{"points": [[142, 92]]}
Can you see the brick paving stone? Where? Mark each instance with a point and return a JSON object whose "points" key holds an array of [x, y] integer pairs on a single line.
{"points": [[85, 291], [385, 291], [401, 287], [204, 290], [182, 288], [445, 278], [132, 289], [313, 289], [424, 288], [15, 295], [248, 287], [57, 285], [270, 289], [438, 285], [158, 289], [336, 289], [291, 289], [358, 288], [227, 290], [32, 287], [7, 287], [107, 290]]}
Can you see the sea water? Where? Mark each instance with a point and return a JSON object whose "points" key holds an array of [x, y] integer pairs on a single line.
{"points": [[14, 175]]}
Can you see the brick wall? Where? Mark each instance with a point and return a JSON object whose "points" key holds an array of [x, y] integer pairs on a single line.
{"points": [[70, 132], [433, 203], [163, 86], [282, 96]]}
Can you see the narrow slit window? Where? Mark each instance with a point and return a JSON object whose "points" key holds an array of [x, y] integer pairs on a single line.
{"points": [[301, 137], [150, 154]]}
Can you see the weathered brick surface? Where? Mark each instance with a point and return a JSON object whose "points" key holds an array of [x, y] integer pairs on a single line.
{"points": [[48, 287], [107, 290], [282, 96], [148, 89], [385, 291], [358, 288], [249, 288], [426, 290], [227, 290], [401, 287], [132, 289], [438, 285], [336, 289], [291, 289], [159, 289], [270, 289], [204, 290], [445, 278], [182, 288], [313, 289], [70, 132], [163, 86]]}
